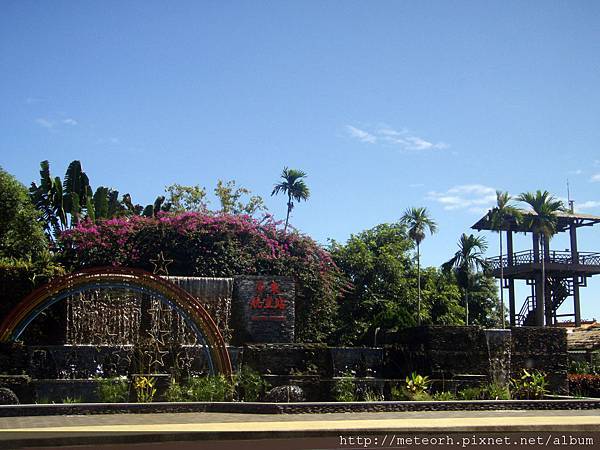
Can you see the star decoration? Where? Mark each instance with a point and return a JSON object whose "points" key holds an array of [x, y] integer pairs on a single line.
{"points": [[161, 264]]}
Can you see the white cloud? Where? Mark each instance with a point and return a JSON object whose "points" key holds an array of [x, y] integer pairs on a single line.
{"points": [[595, 178], [32, 100], [590, 204], [475, 198], [575, 172], [52, 124], [46, 123], [400, 138], [361, 135]]}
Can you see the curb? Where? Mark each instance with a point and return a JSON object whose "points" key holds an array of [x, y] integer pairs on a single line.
{"points": [[294, 408]]}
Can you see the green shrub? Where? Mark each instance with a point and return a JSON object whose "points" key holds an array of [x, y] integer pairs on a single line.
{"points": [[416, 384], [112, 390], [444, 396], [530, 385], [250, 384], [583, 368], [344, 389], [217, 388], [470, 393], [371, 396], [399, 393], [174, 392], [72, 400], [496, 391], [420, 397]]}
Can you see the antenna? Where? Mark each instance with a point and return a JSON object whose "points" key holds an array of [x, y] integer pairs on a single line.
{"points": [[571, 202]]}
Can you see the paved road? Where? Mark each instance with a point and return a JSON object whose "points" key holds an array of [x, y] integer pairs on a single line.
{"points": [[98, 431]]}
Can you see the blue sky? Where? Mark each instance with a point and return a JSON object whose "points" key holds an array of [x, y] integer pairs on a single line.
{"points": [[385, 105]]}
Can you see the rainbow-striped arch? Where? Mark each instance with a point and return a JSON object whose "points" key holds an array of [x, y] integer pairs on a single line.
{"points": [[136, 280]]}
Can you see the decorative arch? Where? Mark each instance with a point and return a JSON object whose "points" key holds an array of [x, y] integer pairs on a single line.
{"points": [[136, 280]]}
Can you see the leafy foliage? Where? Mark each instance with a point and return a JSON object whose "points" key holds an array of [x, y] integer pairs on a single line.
{"points": [[466, 262], [17, 279], [217, 388], [344, 388], [208, 245], [21, 235], [418, 222], [186, 198], [496, 391], [545, 206], [381, 292], [530, 385], [587, 385], [112, 390], [231, 199], [583, 368], [471, 393], [294, 186], [250, 384], [443, 396], [144, 389], [417, 383]]}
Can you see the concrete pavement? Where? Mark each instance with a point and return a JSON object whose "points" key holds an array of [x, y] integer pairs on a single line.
{"points": [[99, 430]]}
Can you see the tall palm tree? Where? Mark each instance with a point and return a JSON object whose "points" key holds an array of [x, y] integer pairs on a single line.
{"points": [[497, 216], [295, 188], [418, 222], [543, 223], [467, 260]]}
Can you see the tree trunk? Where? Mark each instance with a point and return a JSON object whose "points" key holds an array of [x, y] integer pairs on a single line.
{"points": [[418, 284], [502, 283], [289, 209], [467, 305]]}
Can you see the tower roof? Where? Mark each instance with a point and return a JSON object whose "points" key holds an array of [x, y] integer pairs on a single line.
{"points": [[565, 219]]}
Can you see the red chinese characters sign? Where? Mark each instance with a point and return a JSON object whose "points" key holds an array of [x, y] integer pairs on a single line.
{"points": [[267, 302]]}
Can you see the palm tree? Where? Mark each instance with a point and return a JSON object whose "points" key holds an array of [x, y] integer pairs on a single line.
{"points": [[294, 186], [543, 223], [418, 222], [468, 259], [497, 216]]}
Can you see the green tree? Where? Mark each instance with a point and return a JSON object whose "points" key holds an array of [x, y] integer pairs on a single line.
{"points": [[466, 262], [442, 297], [294, 186], [231, 199], [186, 198], [377, 263], [48, 199], [483, 301], [77, 193], [543, 224], [159, 205], [21, 234], [418, 222], [498, 216]]}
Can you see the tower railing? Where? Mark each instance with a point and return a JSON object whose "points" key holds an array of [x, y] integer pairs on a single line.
{"points": [[553, 257]]}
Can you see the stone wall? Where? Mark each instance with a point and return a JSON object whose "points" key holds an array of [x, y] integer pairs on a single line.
{"points": [[450, 352], [263, 309], [544, 349]]}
